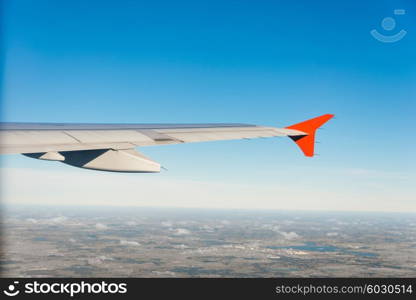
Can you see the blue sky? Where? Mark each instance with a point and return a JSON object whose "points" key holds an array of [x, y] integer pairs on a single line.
{"points": [[264, 62]]}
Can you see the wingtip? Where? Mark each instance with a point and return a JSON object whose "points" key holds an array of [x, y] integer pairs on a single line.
{"points": [[307, 142]]}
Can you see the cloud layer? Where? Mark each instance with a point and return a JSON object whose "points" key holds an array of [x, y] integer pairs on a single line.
{"points": [[83, 187]]}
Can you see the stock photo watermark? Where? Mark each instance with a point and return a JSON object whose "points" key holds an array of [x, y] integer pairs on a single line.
{"points": [[12, 290], [389, 24], [71, 289]]}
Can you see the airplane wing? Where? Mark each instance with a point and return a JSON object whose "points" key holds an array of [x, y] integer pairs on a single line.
{"points": [[110, 147]]}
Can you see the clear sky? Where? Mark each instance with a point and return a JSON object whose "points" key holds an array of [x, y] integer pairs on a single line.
{"points": [[264, 62]]}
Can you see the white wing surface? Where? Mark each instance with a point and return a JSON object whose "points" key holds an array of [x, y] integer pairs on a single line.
{"points": [[110, 147]]}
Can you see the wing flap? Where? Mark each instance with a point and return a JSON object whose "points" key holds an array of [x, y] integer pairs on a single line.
{"points": [[204, 135], [112, 136]]}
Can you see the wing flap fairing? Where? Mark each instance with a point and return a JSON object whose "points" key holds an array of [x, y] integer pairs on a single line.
{"points": [[111, 160], [128, 160]]}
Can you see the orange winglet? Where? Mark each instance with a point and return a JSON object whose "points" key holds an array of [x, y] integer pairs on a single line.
{"points": [[307, 142]]}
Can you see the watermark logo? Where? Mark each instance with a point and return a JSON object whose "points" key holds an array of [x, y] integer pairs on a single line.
{"points": [[388, 24], [68, 288], [11, 289]]}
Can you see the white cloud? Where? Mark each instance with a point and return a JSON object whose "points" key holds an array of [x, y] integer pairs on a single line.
{"points": [[97, 260], [129, 243], [207, 228], [101, 226], [289, 235], [31, 220], [181, 246], [164, 273], [167, 224], [275, 228], [49, 221], [57, 220], [181, 231], [332, 234]]}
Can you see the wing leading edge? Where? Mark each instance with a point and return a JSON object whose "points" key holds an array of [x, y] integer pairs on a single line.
{"points": [[110, 147]]}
